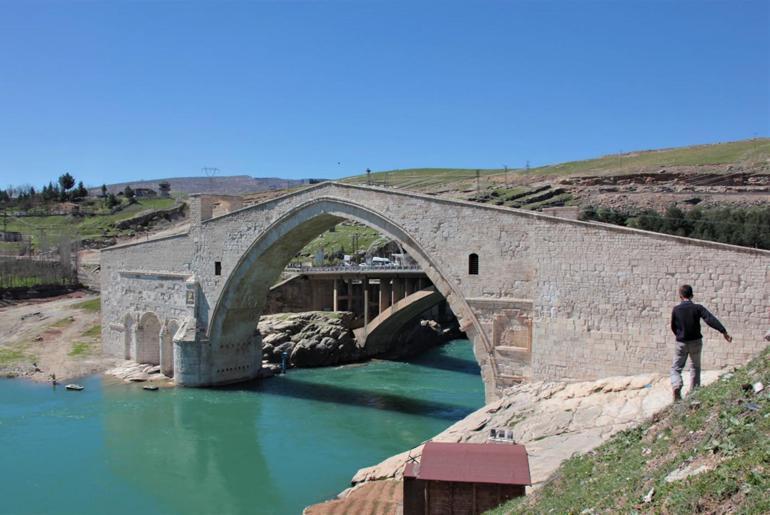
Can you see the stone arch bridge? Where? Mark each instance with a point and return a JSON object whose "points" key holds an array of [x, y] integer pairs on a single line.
{"points": [[539, 296]]}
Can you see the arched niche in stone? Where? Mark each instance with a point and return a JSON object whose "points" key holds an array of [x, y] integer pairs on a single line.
{"points": [[167, 348], [148, 339], [128, 336]]}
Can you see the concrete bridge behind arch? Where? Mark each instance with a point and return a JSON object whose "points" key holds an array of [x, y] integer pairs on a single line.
{"points": [[539, 296]]}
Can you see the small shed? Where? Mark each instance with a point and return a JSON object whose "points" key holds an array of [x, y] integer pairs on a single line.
{"points": [[467, 478]]}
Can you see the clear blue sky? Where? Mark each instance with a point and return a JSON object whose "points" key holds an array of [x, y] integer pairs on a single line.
{"points": [[114, 91]]}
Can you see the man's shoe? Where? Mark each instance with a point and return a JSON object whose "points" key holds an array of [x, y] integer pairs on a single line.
{"points": [[677, 394]]}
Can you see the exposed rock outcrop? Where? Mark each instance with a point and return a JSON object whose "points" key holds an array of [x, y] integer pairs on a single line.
{"points": [[311, 339], [553, 420], [132, 372], [321, 338]]}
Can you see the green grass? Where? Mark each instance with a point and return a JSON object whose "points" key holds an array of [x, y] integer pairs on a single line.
{"points": [[61, 324], [562, 198], [342, 239], [419, 178], [9, 356], [84, 226], [92, 305], [721, 424], [93, 332], [754, 153], [24, 281], [80, 349], [11, 247]]}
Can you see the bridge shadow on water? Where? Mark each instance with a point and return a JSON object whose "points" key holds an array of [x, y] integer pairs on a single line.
{"points": [[289, 387], [443, 362]]}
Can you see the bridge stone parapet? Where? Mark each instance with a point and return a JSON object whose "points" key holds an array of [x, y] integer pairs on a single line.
{"points": [[539, 296]]}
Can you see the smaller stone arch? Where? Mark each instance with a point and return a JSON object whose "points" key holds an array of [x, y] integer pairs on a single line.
{"points": [[167, 347], [148, 339], [128, 336]]}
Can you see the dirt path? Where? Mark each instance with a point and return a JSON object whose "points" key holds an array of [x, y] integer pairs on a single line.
{"points": [[60, 336]]}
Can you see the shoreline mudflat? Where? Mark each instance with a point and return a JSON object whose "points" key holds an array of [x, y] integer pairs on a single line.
{"points": [[60, 336]]}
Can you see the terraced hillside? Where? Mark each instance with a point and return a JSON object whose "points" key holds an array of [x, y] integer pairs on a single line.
{"points": [[735, 173]]}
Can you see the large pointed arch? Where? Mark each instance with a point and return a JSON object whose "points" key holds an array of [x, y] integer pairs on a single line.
{"points": [[238, 306]]}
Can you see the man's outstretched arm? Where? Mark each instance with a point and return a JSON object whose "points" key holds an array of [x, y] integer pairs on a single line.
{"points": [[714, 323]]}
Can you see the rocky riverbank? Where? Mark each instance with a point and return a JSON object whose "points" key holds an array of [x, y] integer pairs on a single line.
{"points": [[553, 420], [132, 372], [321, 338]]}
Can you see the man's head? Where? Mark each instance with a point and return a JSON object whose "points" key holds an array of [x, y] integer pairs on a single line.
{"points": [[685, 292]]}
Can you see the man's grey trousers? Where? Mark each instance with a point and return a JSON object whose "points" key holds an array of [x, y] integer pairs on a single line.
{"points": [[683, 350]]}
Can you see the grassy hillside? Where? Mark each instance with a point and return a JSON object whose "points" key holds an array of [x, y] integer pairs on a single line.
{"points": [[752, 154], [342, 240], [426, 178], [723, 431], [82, 226]]}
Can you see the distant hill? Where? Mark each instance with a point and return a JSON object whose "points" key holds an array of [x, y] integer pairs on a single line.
{"points": [[748, 156], [224, 185], [734, 174]]}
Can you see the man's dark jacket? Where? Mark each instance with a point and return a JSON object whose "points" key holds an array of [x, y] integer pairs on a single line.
{"points": [[685, 321]]}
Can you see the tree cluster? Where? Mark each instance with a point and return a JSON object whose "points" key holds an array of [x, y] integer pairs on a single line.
{"points": [[749, 227], [62, 190]]}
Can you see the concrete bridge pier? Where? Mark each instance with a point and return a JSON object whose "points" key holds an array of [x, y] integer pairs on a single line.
{"points": [[398, 290], [386, 290]]}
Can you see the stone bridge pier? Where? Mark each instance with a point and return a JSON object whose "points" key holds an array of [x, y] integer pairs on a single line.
{"points": [[539, 296]]}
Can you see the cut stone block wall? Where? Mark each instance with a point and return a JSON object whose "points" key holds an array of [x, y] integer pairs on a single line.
{"points": [[592, 299]]}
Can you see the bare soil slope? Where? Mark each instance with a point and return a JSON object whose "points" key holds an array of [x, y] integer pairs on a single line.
{"points": [[59, 336]]}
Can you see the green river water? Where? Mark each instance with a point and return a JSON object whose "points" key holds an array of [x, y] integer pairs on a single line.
{"points": [[269, 447]]}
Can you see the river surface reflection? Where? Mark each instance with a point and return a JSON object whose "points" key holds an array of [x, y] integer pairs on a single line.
{"points": [[269, 447]]}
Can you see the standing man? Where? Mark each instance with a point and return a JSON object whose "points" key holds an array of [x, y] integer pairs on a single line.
{"points": [[685, 324]]}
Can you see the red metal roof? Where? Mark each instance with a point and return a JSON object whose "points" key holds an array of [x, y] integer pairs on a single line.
{"points": [[496, 463]]}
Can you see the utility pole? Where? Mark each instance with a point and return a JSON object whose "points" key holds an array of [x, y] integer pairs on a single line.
{"points": [[527, 164], [210, 172], [506, 175], [478, 187], [355, 246]]}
